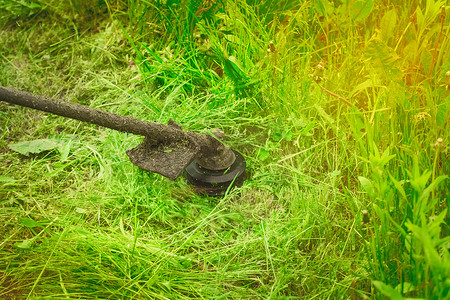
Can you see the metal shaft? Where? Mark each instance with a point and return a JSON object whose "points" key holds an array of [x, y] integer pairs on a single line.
{"points": [[212, 154], [86, 114]]}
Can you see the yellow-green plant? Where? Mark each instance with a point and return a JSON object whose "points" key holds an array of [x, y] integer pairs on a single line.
{"points": [[406, 243]]}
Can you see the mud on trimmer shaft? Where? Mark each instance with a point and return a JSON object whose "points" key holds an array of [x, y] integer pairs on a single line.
{"points": [[167, 149]]}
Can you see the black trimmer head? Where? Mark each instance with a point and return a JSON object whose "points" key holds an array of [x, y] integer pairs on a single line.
{"points": [[216, 182]]}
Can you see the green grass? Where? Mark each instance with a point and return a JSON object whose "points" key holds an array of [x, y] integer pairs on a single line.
{"points": [[342, 201]]}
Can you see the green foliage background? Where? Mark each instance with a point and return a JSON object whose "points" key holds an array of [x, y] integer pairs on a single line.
{"points": [[341, 109]]}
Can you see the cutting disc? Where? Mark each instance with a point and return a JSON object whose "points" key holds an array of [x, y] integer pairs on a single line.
{"points": [[216, 182]]}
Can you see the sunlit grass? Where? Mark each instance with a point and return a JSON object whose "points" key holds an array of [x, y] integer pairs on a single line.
{"points": [[342, 201]]}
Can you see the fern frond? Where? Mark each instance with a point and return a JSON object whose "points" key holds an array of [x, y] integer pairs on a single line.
{"points": [[383, 60]]}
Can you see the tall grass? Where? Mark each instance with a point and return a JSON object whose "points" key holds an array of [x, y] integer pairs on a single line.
{"points": [[399, 98]]}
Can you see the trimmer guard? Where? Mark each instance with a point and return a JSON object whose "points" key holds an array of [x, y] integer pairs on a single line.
{"points": [[166, 158]]}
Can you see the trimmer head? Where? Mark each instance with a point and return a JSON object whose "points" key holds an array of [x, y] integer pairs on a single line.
{"points": [[216, 182]]}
